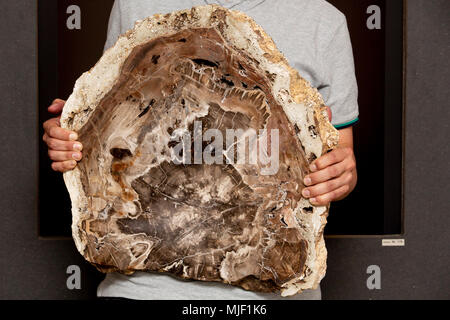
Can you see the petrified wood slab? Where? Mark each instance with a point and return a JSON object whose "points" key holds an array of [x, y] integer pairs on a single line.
{"points": [[135, 208]]}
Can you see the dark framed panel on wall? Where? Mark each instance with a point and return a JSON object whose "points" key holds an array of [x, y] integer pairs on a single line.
{"points": [[376, 205]]}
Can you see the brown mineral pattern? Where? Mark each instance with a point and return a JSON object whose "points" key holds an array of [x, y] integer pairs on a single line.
{"points": [[135, 209]]}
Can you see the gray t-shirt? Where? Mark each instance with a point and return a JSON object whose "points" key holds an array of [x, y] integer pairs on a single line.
{"points": [[313, 36]]}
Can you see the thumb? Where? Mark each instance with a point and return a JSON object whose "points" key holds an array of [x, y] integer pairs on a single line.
{"points": [[57, 106], [329, 113]]}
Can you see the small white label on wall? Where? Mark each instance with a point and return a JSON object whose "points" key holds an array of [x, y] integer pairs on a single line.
{"points": [[393, 242]]}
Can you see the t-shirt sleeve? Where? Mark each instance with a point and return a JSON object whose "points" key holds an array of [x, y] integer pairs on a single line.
{"points": [[114, 26], [340, 89]]}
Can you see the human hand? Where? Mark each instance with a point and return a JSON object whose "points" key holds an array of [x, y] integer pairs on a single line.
{"points": [[333, 176], [63, 149]]}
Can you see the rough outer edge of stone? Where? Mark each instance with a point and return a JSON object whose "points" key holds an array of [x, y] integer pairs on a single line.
{"points": [[244, 34]]}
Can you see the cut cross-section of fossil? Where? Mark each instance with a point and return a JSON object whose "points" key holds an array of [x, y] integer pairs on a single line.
{"points": [[135, 208]]}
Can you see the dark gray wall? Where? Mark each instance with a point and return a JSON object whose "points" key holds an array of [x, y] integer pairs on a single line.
{"points": [[420, 270], [29, 268], [36, 269]]}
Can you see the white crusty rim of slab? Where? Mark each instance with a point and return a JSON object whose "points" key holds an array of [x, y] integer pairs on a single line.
{"points": [[302, 104]]}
